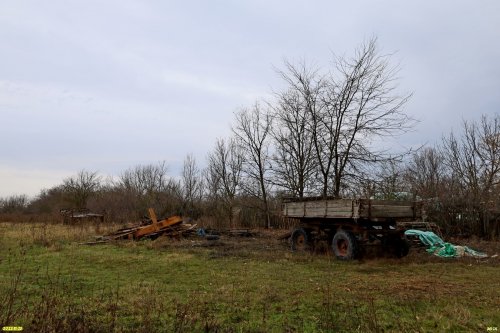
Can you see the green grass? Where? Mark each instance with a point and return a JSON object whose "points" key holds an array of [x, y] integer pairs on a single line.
{"points": [[51, 284]]}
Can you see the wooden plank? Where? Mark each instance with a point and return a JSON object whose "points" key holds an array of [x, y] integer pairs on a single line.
{"points": [[149, 229], [374, 202], [338, 208], [342, 208], [314, 208], [391, 211], [152, 215], [387, 209], [294, 209]]}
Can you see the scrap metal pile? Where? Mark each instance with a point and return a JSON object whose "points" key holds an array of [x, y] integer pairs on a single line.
{"points": [[173, 226]]}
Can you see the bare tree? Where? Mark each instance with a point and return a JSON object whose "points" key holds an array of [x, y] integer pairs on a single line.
{"points": [[474, 158], [48, 200], [426, 173], [224, 170], [348, 109], [14, 204], [146, 179], [148, 185], [212, 182], [252, 132], [191, 184], [78, 189], [294, 161], [306, 88], [474, 166], [390, 181]]}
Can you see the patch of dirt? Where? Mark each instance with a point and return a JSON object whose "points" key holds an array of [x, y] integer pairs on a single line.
{"points": [[261, 243], [266, 243]]}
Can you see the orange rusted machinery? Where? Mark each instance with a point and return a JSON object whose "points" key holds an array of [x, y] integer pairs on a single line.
{"points": [[152, 230], [172, 226], [156, 226]]}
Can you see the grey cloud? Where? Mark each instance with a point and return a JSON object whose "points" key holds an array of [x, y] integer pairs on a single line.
{"points": [[106, 85]]}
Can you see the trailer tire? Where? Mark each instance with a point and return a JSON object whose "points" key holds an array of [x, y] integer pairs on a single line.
{"points": [[299, 240], [344, 245]]}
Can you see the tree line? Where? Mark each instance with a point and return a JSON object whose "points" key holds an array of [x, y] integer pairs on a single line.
{"points": [[318, 136]]}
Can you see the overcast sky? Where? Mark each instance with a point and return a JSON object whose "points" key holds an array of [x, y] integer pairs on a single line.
{"points": [[107, 85]]}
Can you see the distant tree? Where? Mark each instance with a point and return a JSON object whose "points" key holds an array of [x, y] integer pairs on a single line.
{"points": [[14, 204], [146, 180], [426, 173], [390, 181], [149, 185], [79, 188], [48, 201], [473, 163], [224, 171], [252, 132], [474, 158], [191, 184]]}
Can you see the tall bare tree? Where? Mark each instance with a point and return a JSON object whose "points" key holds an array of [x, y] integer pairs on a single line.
{"points": [[294, 160], [306, 88], [349, 108], [252, 132]]}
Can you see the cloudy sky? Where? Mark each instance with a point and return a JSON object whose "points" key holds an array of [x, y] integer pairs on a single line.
{"points": [[107, 85]]}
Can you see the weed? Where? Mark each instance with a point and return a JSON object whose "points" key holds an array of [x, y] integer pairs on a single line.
{"points": [[10, 309]]}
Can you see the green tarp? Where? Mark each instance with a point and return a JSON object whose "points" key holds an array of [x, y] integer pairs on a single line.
{"points": [[442, 249]]}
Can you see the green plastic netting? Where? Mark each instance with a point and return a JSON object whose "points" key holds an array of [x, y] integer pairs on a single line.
{"points": [[442, 249]]}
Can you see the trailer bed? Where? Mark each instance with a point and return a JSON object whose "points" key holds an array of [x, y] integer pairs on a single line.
{"points": [[369, 209]]}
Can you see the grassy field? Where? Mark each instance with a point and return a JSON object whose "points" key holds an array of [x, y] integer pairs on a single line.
{"points": [[50, 283]]}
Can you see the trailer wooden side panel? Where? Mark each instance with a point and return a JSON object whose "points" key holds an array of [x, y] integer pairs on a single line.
{"points": [[352, 209], [384, 211], [294, 209], [377, 209], [341, 208]]}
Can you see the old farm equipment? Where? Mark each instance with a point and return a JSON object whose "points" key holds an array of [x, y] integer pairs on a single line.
{"points": [[350, 225]]}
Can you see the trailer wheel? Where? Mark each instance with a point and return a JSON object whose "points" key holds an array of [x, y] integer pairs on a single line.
{"points": [[344, 245], [299, 240]]}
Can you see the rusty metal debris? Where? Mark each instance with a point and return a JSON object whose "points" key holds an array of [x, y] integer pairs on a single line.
{"points": [[173, 226]]}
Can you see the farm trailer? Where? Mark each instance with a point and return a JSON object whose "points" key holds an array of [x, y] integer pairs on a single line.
{"points": [[350, 225]]}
